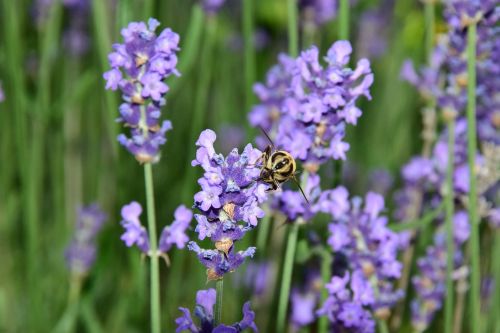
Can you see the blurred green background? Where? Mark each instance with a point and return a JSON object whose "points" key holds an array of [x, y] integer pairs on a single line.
{"points": [[58, 145]]}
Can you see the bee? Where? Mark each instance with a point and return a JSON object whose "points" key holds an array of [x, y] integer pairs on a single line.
{"points": [[278, 166]]}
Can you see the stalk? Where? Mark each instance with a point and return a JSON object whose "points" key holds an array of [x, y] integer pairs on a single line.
{"points": [[430, 14], [450, 248], [344, 19], [219, 286], [198, 116], [293, 32], [325, 276], [154, 260], [263, 232], [248, 38], [286, 278], [190, 49], [471, 154]]}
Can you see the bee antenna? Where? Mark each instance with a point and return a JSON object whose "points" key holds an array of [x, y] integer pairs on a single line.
{"points": [[267, 135], [301, 190]]}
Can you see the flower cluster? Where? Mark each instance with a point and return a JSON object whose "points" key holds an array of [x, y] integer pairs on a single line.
{"points": [[139, 68], [427, 176], [204, 310], [307, 105], [445, 79], [229, 194], [81, 252], [360, 235], [430, 284], [136, 234]]}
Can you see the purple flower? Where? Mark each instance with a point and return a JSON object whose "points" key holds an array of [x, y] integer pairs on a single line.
{"points": [[307, 105], [134, 233], [204, 311], [175, 234], [81, 252], [360, 235], [211, 7], [139, 68], [303, 306]]}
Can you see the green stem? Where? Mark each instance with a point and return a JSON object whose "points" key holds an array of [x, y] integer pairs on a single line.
{"points": [[382, 326], [344, 19], [326, 274], [263, 233], [420, 223], [493, 318], [293, 32], [449, 204], [286, 278], [219, 286], [199, 112], [429, 27], [148, 8], [190, 50], [471, 154], [155, 267], [248, 37], [103, 39]]}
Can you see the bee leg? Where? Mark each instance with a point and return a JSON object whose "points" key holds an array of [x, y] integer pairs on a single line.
{"points": [[274, 187]]}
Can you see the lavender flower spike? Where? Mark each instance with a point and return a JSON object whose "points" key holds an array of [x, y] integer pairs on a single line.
{"points": [[81, 252], [204, 310], [228, 204], [136, 234], [139, 68]]}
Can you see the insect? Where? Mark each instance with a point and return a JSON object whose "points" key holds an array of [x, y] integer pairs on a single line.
{"points": [[278, 166]]}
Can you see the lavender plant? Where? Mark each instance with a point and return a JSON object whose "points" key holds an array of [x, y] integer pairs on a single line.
{"points": [[362, 287], [139, 68], [228, 204], [81, 252], [146, 60]]}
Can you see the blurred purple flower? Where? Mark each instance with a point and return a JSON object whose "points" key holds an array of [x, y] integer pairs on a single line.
{"points": [[80, 253], [212, 7], [360, 234], [306, 106], [204, 311], [139, 68], [430, 283]]}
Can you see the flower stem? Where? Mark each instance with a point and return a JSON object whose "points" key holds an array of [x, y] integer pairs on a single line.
{"points": [[382, 326], [325, 276], [344, 19], [448, 305], [293, 33], [263, 232], [219, 286], [286, 278], [429, 28], [248, 37], [155, 267], [471, 154]]}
